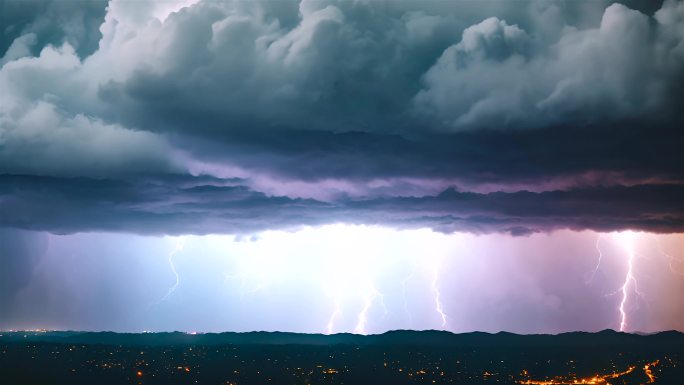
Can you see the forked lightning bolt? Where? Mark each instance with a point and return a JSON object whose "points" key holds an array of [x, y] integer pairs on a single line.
{"points": [[369, 295], [627, 241], [629, 285]]}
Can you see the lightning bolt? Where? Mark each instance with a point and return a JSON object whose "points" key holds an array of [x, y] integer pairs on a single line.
{"points": [[436, 295], [347, 274], [627, 241], [368, 299], [629, 284], [600, 257], [629, 289], [331, 321], [351, 274], [438, 303], [180, 244], [369, 295]]}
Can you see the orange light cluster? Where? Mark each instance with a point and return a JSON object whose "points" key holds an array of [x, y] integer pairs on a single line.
{"points": [[595, 380], [648, 369]]}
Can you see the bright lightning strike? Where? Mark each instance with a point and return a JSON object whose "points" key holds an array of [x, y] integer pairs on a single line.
{"points": [[348, 273], [436, 294], [180, 244], [362, 318], [629, 289], [330, 329], [340, 289], [626, 239]]}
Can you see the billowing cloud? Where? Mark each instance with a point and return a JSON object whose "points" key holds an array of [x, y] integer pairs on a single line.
{"points": [[33, 24], [40, 133], [498, 75], [328, 111], [335, 69]]}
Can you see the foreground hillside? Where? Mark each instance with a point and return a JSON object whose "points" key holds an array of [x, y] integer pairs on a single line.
{"points": [[398, 357]]}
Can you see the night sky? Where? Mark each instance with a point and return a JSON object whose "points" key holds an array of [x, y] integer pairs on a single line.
{"points": [[342, 166]]}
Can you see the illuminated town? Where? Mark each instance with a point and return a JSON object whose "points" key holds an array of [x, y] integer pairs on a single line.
{"points": [[648, 371], [161, 359]]}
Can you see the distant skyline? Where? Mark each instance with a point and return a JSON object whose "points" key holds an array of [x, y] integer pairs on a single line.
{"points": [[342, 166]]}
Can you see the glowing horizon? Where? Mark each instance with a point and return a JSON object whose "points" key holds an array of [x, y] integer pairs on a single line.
{"points": [[354, 278]]}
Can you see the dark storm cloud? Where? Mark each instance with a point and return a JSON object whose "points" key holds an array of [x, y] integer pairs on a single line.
{"points": [[180, 205], [387, 68], [45, 22], [621, 148], [581, 96]]}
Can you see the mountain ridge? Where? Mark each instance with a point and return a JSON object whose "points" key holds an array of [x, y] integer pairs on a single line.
{"points": [[392, 337]]}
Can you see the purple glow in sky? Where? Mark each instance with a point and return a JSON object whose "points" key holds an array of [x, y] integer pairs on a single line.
{"points": [[342, 166], [341, 278]]}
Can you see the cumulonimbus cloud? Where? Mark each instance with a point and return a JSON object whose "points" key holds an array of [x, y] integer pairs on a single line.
{"points": [[351, 92]]}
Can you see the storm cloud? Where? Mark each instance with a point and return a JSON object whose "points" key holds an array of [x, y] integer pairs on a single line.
{"points": [[232, 117], [182, 205]]}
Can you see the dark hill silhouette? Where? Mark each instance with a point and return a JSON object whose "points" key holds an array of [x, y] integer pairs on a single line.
{"points": [[395, 337], [395, 357]]}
